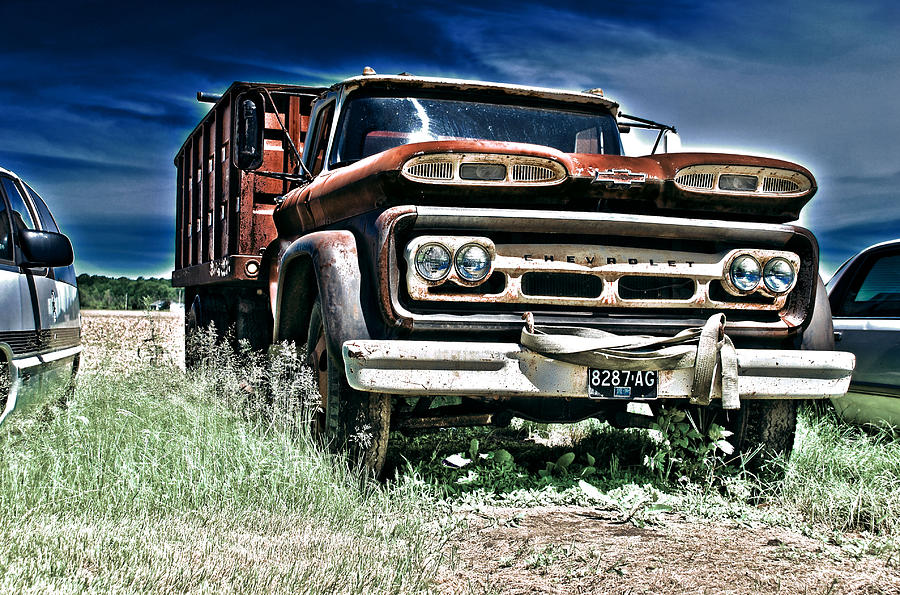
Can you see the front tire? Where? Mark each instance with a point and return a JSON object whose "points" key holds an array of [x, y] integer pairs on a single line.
{"points": [[763, 430], [351, 420]]}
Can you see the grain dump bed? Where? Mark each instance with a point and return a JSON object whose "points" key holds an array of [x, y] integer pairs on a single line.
{"points": [[223, 216]]}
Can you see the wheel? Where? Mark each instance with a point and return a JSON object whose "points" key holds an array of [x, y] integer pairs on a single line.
{"points": [[762, 428], [5, 383], [68, 392], [351, 420], [192, 326], [238, 314]]}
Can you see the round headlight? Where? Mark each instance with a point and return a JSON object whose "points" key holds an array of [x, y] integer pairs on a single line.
{"points": [[745, 273], [473, 262], [778, 275], [433, 262]]}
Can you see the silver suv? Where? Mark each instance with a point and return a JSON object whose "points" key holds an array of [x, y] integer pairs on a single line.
{"points": [[40, 319]]}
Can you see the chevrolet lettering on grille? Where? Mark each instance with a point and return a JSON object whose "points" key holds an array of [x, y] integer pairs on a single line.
{"points": [[595, 260]]}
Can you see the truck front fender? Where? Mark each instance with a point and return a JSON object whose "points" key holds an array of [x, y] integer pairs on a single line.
{"points": [[323, 263], [819, 335]]}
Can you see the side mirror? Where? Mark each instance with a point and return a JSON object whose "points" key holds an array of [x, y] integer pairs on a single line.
{"points": [[45, 249], [247, 134]]}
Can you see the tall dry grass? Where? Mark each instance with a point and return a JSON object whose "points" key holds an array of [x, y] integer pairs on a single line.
{"points": [[157, 480]]}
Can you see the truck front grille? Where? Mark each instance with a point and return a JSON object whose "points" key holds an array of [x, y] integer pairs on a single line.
{"points": [[656, 288], [562, 285], [593, 276]]}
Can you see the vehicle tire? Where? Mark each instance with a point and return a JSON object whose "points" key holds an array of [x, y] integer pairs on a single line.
{"points": [[193, 321], [68, 392], [253, 319], [5, 383], [355, 421], [762, 429]]}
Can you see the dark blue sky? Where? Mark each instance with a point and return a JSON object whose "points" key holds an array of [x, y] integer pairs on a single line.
{"points": [[97, 97]]}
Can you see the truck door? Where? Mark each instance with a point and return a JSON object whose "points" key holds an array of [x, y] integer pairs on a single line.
{"points": [[867, 322]]}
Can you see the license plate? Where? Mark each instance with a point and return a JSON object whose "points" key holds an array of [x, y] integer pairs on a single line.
{"points": [[622, 384]]}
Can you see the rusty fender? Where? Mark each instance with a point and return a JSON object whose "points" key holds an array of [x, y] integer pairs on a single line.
{"points": [[323, 263]]}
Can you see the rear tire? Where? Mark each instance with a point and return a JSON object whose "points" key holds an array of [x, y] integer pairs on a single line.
{"points": [[238, 313], [193, 323], [348, 419]]}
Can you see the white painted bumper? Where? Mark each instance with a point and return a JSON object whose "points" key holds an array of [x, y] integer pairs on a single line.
{"points": [[510, 370]]}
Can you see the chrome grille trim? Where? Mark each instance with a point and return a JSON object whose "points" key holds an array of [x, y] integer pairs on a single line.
{"points": [[531, 173], [443, 168], [698, 180], [432, 170], [779, 185], [607, 264], [775, 180]]}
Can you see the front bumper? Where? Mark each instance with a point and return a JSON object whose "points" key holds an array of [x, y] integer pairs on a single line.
{"points": [[435, 368]]}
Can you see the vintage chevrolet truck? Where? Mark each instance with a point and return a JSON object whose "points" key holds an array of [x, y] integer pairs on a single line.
{"points": [[456, 252]]}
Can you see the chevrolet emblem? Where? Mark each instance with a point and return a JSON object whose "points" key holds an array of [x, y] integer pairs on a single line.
{"points": [[618, 177]]}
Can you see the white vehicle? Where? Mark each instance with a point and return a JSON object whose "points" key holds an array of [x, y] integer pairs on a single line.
{"points": [[40, 319]]}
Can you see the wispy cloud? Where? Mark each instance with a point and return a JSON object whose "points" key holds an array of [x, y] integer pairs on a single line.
{"points": [[96, 101]]}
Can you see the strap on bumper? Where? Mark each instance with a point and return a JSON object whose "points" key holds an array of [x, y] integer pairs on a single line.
{"points": [[707, 349]]}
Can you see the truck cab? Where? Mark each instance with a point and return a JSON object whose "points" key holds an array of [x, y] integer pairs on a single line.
{"points": [[460, 252]]}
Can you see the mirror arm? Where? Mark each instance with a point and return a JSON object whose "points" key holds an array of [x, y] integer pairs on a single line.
{"points": [[283, 176], [307, 175], [648, 123], [659, 136]]}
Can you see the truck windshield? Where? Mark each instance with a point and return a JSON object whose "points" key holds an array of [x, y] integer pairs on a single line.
{"points": [[370, 125]]}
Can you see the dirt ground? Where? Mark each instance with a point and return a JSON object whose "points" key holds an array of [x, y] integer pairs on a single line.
{"points": [[123, 337], [571, 549]]}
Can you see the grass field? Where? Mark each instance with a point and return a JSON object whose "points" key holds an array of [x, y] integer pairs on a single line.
{"points": [[154, 480]]}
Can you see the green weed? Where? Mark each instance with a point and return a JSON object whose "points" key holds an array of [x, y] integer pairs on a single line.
{"points": [[843, 477]]}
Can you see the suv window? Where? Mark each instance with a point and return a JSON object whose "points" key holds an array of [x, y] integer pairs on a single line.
{"points": [[5, 235], [21, 215], [47, 221], [876, 292]]}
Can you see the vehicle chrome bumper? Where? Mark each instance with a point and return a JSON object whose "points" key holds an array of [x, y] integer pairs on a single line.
{"points": [[28, 377], [510, 370]]}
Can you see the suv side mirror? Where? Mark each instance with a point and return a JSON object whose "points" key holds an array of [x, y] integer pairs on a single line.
{"points": [[45, 249], [247, 134]]}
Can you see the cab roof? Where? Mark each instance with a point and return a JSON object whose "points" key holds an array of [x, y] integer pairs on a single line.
{"points": [[426, 82]]}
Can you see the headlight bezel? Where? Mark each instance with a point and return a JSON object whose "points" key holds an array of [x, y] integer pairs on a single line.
{"points": [[762, 257], [454, 245]]}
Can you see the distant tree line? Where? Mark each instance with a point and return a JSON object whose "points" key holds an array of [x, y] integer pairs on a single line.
{"points": [[97, 292]]}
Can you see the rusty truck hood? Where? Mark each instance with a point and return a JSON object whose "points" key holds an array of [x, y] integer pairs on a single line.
{"points": [[682, 184]]}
